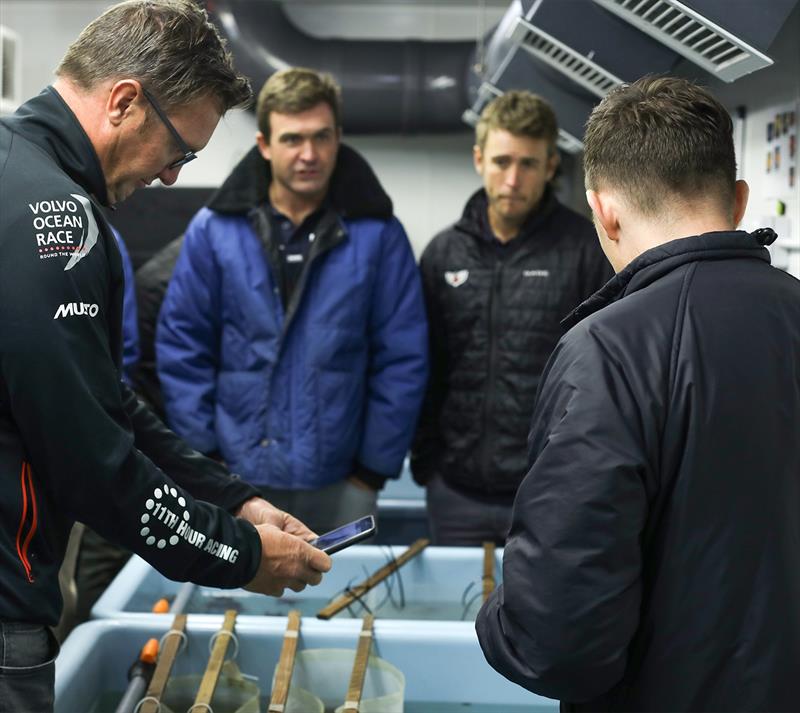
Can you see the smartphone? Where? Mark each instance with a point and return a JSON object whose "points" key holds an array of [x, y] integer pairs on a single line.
{"points": [[346, 535]]}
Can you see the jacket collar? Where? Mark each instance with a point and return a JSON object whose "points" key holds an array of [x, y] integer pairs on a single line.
{"points": [[475, 215], [354, 192], [48, 122], [658, 261]]}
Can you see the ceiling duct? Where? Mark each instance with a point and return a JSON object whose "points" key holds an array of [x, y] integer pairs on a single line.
{"points": [[387, 86], [574, 65], [509, 68], [727, 39], [588, 45], [691, 35], [544, 47], [571, 53]]}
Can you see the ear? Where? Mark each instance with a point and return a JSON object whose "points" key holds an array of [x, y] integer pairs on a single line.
{"points": [[606, 212], [122, 101], [552, 164], [263, 146], [740, 202], [477, 159]]}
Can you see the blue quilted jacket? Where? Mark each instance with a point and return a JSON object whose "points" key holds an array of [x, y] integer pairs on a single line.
{"points": [[303, 397]]}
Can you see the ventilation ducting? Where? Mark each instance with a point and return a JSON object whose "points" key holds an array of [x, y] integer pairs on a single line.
{"points": [[587, 45], [566, 60], [387, 86], [692, 35], [570, 53]]}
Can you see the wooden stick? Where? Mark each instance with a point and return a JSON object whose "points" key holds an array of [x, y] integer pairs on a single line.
{"points": [[283, 676], [210, 678], [488, 569], [361, 589], [360, 662], [166, 658]]}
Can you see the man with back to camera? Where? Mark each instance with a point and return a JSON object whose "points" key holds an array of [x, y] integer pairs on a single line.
{"points": [[131, 103], [292, 338], [496, 284], [652, 560]]}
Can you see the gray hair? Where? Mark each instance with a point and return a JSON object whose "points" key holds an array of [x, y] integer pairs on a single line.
{"points": [[168, 45]]}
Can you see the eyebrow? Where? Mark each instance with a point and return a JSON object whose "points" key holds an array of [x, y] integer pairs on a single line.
{"points": [[508, 157], [299, 135]]}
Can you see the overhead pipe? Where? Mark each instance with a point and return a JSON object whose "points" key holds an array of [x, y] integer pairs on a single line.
{"points": [[392, 86]]}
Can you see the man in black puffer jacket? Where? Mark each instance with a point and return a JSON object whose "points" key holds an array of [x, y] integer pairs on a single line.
{"points": [[652, 563], [497, 284]]}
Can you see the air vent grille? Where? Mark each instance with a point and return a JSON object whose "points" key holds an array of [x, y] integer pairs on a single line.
{"points": [[566, 141], [691, 35], [566, 60]]}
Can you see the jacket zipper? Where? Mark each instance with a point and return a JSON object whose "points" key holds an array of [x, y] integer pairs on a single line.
{"points": [[28, 493], [322, 244], [487, 440]]}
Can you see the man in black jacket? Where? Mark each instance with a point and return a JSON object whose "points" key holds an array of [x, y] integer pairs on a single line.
{"points": [[497, 284], [653, 558], [132, 102]]}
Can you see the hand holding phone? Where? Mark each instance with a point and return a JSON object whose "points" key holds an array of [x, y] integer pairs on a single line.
{"points": [[287, 562], [346, 535]]}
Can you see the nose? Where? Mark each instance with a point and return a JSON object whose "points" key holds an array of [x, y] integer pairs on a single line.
{"points": [[169, 175], [308, 152], [513, 176]]}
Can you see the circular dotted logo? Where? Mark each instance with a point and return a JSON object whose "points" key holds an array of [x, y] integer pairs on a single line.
{"points": [[162, 508]]}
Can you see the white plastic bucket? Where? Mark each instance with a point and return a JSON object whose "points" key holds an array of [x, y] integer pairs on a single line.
{"points": [[326, 674]]}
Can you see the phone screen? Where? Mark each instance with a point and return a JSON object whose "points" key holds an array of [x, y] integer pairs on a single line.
{"points": [[346, 534]]}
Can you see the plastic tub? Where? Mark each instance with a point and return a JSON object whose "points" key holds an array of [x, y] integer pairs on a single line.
{"points": [[443, 665], [441, 583]]}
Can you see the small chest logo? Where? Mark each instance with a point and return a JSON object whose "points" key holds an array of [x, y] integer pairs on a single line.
{"points": [[64, 228], [536, 273], [76, 309], [456, 279]]}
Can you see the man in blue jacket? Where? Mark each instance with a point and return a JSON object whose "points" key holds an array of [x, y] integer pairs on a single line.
{"points": [[292, 338], [652, 560]]}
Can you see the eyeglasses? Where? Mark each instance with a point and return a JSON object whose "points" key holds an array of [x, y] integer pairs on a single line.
{"points": [[188, 154]]}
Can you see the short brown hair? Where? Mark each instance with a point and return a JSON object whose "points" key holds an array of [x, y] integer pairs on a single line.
{"points": [[660, 137], [295, 90], [521, 113], [168, 45]]}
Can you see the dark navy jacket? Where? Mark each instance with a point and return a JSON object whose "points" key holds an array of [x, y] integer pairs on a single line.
{"points": [[652, 563], [297, 398]]}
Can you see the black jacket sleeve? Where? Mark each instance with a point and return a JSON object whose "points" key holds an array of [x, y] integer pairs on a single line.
{"points": [[426, 446], [204, 478], [561, 623], [60, 325]]}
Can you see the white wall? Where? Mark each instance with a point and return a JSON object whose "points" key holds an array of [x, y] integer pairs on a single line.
{"points": [[762, 94]]}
